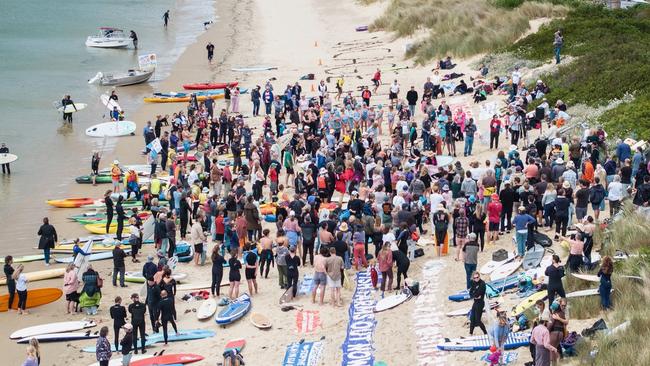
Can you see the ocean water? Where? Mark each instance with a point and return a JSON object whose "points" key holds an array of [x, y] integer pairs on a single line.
{"points": [[42, 58]]}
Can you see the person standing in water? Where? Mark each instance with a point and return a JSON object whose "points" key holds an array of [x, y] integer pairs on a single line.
{"points": [[166, 18], [5, 150], [210, 49], [67, 117], [48, 236], [94, 166], [134, 37]]}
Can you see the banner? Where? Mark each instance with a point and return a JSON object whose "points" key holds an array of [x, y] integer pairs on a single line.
{"points": [[307, 321], [147, 62], [303, 354], [358, 347], [155, 145]]}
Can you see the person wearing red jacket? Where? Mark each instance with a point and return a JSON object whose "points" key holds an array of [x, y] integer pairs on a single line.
{"points": [[494, 209], [495, 129]]}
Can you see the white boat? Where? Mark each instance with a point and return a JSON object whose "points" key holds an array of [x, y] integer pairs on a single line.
{"points": [[109, 38], [131, 77]]}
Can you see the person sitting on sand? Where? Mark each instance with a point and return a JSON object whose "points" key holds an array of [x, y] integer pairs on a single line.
{"points": [[446, 64]]}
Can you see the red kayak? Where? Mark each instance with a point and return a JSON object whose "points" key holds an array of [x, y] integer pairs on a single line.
{"points": [[205, 86], [180, 358]]}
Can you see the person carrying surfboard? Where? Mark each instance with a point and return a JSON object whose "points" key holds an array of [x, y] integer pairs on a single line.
{"points": [[5, 150], [67, 116]]}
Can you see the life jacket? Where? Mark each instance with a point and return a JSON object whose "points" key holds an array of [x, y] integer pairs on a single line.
{"points": [[116, 172], [133, 177], [322, 184]]}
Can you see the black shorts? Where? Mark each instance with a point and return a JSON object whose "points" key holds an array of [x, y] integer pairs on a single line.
{"points": [[494, 226], [219, 237], [289, 171], [74, 296], [198, 248], [250, 273], [392, 95], [375, 82], [234, 277]]}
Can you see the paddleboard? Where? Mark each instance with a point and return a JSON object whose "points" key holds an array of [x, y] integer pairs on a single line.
{"points": [[390, 302], [235, 310], [183, 335], [207, 309], [109, 103], [60, 337], [287, 296], [237, 344], [194, 286], [26, 258], [50, 328], [39, 275], [71, 109], [527, 303], [35, 297], [180, 358], [91, 258], [253, 68], [118, 361], [581, 293], [505, 270], [490, 266], [465, 311], [482, 343], [7, 158], [112, 129], [533, 257], [463, 295], [260, 321], [137, 277]]}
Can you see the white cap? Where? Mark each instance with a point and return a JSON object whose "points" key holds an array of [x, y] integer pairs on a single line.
{"points": [[116, 162]]}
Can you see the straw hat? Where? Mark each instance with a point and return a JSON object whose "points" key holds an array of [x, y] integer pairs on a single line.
{"points": [[566, 184], [343, 226]]}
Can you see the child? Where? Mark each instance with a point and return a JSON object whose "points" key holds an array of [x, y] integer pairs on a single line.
{"points": [[127, 344], [118, 314], [374, 276]]}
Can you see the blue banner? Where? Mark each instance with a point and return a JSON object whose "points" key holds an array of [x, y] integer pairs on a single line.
{"points": [[358, 347], [303, 354]]}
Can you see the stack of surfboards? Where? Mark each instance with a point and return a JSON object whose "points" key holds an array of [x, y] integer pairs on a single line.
{"points": [[56, 332], [482, 342]]}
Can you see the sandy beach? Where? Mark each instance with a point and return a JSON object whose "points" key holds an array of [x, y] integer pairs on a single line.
{"points": [[299, 37]]}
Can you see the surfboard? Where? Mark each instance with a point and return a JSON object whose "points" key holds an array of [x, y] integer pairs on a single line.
{"points": [[260, 321], [39, 275], [92, 257], [533, 257], [137, 277], [71, 109], [207, 309], [109, 103], [482, 343], [490, 266], [81, 262], [118, 361], [463, 295], [7, 158], [50, 328], [390, 302], [234, 311], [152, 339], [586, 277], [179, 358], [253, 68], [505, 270], [527, 303], [581, 293], [60, 337], [112, 129], [35, 297], [287, 296]]}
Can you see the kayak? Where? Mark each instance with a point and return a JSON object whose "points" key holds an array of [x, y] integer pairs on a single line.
{"points": [[204, 86], [71, 202], [100, 179], [101, 228], [184, 95], [200, 98]]}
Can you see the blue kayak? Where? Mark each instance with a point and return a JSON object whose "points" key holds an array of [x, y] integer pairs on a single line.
{"points": [[197, 93], [234, 311]]}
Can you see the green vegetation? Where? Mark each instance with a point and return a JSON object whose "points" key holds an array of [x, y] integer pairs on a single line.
{"points": [[461, 27], [611, 50]]}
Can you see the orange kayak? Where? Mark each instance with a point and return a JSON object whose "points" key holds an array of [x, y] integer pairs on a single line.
{"points": [[71, 202], [36, 297]]}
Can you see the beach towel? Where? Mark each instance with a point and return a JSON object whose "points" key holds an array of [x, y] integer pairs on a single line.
{"points": [[303, 354], [487, 111], [506, 357], [307, 321]]}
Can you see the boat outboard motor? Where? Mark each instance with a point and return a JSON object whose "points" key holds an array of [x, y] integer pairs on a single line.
{"points": [[96, 78]]}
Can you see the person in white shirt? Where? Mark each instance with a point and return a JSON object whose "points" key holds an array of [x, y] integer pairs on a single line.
{"points": [[21, 288], [516, 79], [393, 92], [615, 194], [322, 91]]}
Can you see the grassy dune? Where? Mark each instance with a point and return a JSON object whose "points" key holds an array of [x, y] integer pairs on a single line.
{"points": [[461, 27]]}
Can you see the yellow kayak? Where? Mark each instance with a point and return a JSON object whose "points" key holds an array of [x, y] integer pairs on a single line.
{"points": [[39, 275], [200, 98], [528, 303]]}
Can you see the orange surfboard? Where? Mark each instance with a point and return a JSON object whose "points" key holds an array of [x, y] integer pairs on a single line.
{"points": [[36, 297]]}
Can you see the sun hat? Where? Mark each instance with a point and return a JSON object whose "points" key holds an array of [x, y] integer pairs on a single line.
{"points": [[559, 161], [566, 184], [343, 226]]}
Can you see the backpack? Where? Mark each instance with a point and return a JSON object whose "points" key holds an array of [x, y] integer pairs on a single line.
{"points": [[500, 255], [597, 196]]}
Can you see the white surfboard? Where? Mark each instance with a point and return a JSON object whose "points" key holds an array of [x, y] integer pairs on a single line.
{"points": [[588, 292], [71, 109], [81, 262], [505, 270], [92, 257], [490, 266], [586, 277], [61, 337], [533, 257], [50, 328], [109, 103], [390, 302], [118, 361], [253, 68], [148, 227], [7, 158], [206, 309], [111, 129]]}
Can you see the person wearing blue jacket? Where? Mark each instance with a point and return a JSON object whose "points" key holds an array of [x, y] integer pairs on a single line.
{"points": [[521, 222]]}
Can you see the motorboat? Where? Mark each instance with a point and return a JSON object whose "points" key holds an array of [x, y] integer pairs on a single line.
{"points": [[130, 77], [146, 67], [109, 38]]}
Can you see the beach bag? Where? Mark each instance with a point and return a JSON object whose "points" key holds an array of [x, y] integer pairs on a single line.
{"points": [[500, 255], [591, 331], [542, 239], [418, 253], [100, 282], [414, 288]]}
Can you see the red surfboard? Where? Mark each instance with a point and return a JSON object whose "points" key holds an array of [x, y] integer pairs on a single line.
{"points": [[171, 359], [205, 86]]}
